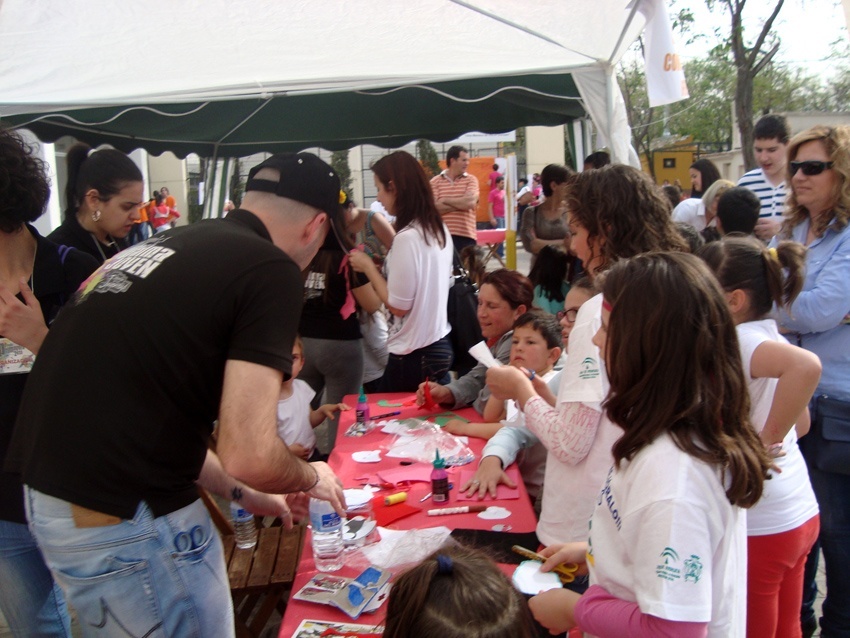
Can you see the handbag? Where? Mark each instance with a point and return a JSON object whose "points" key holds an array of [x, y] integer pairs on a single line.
{"points": [[463, 316], [827, 445]]}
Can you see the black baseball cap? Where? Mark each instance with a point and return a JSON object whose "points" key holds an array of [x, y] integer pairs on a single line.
{"points": [[304, 178]]}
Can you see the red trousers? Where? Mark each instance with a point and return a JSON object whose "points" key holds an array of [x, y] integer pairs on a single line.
{"points": [[775, 580]]}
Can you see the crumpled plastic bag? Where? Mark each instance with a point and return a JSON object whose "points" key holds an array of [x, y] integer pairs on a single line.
{"points": [[420, 440]]}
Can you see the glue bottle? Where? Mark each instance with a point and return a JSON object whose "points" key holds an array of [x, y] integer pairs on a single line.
{"points": [[439, 480], [362, 409]]}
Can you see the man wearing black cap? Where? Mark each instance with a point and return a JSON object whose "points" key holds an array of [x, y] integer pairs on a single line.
{"points": [[195, 325]]}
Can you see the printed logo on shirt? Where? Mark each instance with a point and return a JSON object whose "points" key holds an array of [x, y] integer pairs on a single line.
{"points": [[668, 569], [693, 568], [140, 261], [314, 285], [589, 368], [607, 497]]}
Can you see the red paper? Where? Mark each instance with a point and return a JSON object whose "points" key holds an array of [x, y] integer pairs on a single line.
{"points": [[386, 514], [418, 472], [503, 492]]}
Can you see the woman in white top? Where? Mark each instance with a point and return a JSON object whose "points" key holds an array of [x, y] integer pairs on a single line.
{"points": [[418, 274], [783, 525]]}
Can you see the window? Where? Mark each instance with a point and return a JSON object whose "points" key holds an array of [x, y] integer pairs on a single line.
{"points": [[669, 162]]}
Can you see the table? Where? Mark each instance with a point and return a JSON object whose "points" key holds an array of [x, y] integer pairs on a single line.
{"points": [[522, 517], [492, 239]]}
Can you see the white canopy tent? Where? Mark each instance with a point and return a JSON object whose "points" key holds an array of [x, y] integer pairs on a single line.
{"points": [[228, 77]]}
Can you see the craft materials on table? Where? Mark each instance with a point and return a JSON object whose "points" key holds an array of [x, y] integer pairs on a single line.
{"points": [[439, 480], [494, 513], [390, 404], [395, 499], [365, 593], [463, 509], [386, 415], [314, 628], [366, 456]]}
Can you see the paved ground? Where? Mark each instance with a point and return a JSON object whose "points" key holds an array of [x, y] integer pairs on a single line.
{"points": [[523, 265]]}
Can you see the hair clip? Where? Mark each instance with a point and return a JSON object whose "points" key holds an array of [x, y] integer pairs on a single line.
{"points": [[773, 255], [444, 564]]}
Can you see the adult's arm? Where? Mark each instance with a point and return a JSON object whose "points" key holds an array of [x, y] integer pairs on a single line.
{"points": [[526, 231], [248, 445], [827, 303], [361, 262], [215, 480], [22, 322], [383, 230]]}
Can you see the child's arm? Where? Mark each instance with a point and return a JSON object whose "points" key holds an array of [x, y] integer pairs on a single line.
{"points": [[479, 430], [798, 373], [494, 410], [599, 613], [326, 411], [299, 450]]}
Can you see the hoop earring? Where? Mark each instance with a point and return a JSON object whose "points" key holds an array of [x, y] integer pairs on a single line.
{"points": [[95, 216]]}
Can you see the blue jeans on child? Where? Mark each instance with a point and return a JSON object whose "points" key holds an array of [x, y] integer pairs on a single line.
{"points": [[32, 603], [145, 576], [405, 372]]}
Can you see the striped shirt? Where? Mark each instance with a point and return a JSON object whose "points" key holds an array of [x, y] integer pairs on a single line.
{"points": [[461, 223], [772, 198]]}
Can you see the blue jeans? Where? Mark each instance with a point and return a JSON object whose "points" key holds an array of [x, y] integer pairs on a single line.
{"points": [[130, 579], [32, 603], [405, 372], [833, 494]]}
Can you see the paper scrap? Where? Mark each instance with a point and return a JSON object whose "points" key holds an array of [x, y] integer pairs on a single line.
{"points": [[482, 354], [530, 580]]}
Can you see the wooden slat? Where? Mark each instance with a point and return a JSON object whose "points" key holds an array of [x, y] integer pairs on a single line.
{"points": [[264, 556], [288, 555], [264, 611], [239, 568], [228, 543]]}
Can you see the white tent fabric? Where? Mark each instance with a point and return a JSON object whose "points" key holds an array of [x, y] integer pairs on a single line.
{"points": [[87, 53]]}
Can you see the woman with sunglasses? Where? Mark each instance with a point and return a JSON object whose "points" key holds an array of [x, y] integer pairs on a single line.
{"points": [[819, 321]]}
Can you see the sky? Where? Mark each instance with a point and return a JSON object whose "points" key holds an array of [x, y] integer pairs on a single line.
{"points": [[807, 29]]}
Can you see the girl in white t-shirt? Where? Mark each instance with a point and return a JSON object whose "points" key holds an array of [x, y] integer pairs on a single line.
{"points": [[666, 550], [784, 524]]}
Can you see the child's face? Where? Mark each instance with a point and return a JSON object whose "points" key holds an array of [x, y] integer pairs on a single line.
{"points": [[600, 339], [297, 360], [529, 350], [572, 302]]}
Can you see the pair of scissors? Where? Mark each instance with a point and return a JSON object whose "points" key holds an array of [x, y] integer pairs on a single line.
{"points": [[566, 571], [193, 539]]}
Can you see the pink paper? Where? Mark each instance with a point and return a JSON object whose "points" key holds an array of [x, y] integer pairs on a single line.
{"points": [[503, 492], [418, 472]]}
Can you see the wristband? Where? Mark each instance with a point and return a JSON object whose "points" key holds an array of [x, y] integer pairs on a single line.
{"points": [[315, 483]]}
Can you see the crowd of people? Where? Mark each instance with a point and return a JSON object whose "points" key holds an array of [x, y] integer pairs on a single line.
{"points": [[661, 362]]}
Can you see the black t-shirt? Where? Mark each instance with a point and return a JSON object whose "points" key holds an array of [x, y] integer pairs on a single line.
{"points": [[56, 276], [70, 233], [121, 401], [324, 297]]}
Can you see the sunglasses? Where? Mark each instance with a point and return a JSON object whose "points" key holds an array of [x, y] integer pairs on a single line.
{"points": [[810, 167]]}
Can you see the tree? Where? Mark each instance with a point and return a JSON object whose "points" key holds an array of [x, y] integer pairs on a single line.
{"points": [[642, 117], [339, 162], [427, 155], [749, 62]]}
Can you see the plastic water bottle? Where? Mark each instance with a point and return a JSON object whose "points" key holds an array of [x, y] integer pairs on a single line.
{"points": [[243, 525], [327, 536]]}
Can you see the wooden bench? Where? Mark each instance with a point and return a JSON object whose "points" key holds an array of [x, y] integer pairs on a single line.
{"points": [[260, 577]]}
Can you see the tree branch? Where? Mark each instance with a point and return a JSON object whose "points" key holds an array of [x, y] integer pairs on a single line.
{"points": [[768, 25], [764, 61]]}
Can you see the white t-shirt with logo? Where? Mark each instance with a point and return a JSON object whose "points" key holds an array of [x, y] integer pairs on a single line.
{"points": [[788, 500], [293, 416], [665, 536], [569, 491]]}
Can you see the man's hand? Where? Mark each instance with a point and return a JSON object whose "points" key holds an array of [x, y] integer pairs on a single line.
{"points": [[329, 487], [487, 478], [22, 323]]}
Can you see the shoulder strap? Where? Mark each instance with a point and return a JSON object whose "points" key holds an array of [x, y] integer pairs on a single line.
{"points": [[63, 252]]}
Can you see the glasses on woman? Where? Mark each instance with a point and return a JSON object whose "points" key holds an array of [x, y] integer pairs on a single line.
{"points": [[569, 313], [809, 167]]}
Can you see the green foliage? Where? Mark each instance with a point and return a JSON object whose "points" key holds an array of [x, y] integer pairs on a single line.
{"points": [[427, 155], [339, 162]]}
